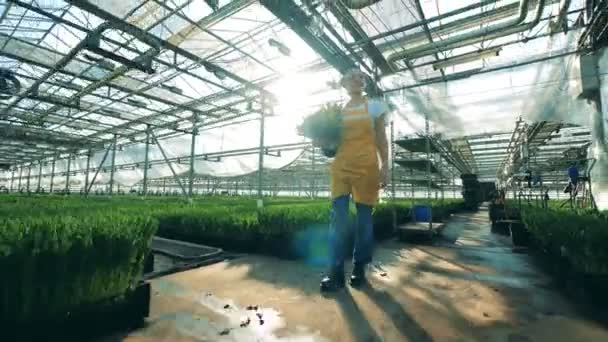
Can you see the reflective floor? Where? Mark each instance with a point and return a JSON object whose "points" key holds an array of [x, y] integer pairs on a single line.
{"points": [[469, 286]]}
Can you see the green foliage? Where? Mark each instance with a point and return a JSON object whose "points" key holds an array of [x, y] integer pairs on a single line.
{"points": [[581, 237], [325, 124], [54, 264], [58, 253]]}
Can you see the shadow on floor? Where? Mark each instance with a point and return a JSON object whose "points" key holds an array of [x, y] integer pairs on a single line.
{"points": [[403, 321], [522, 303], [358, 325]]}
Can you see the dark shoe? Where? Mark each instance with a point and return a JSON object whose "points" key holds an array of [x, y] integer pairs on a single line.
{"points": [[332, 283], [357, 278]]}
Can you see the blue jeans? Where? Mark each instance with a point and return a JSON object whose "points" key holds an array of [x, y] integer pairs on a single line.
{"points": [[338, 234]]}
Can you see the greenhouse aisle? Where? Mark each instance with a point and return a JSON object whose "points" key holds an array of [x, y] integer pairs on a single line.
{"points": [[470, 286]]}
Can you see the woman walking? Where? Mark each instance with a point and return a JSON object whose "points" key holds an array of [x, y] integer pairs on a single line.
{"points": [[357, 172]]}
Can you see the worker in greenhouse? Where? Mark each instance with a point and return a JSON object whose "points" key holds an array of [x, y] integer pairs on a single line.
{"points": [[357, 172], [573, 175]]}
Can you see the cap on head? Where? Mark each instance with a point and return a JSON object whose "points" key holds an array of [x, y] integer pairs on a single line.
{"points": [[353, 78]]}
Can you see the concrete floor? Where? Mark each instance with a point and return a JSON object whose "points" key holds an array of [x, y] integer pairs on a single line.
{"points": [[470, 286]]}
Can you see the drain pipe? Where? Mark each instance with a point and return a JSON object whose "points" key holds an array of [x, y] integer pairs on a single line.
{"points": [[359, 4], [488, 33]]}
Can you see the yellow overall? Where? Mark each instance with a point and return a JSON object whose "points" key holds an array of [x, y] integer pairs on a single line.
{"points": [[355, 169]]}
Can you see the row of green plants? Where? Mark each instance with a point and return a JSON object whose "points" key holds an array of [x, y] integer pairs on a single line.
{"points": [[52, 265], [274, 229], [580, 237], [61, 253], [228, 222]]}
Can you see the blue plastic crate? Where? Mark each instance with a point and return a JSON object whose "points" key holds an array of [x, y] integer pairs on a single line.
{"points": [[422, 213]]}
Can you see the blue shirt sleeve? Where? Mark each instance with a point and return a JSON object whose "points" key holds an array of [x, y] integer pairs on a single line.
{"points": [[377, 108]]}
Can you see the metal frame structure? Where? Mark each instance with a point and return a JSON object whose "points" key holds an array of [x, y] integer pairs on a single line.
{"points": [[96, 79]]}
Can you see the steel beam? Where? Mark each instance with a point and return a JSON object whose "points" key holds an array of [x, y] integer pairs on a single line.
{"points": [[58, 66], [113, 164], [422, 83], [427, 32], [29, 173], [103, 160], [12, 180], [146, 161], [295, 18], [162, 151], [350, 24], [86, 173], [261, 151], [39, 176], [192, 154], [52, 173], [67, 175], [146, 36]]}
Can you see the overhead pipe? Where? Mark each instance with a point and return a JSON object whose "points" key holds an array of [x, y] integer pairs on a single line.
{"points": [[458, 25], [233, 6], [499, 46], [140, 92], [144, 35], [359, 4], [60, 65], [147, 56], [485, 71], [424, 22], [488, 33]]}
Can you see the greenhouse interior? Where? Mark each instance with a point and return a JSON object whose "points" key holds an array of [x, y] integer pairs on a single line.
{"points": [[166, 171]]}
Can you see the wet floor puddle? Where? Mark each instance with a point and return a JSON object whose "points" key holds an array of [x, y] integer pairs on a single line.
{"points": [[226, 321]]}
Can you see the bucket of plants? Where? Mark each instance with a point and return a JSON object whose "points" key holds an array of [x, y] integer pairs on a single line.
{"points": [[324, 128]]}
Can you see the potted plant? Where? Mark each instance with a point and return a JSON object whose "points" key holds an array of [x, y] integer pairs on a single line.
{"points": [[324, 127]]}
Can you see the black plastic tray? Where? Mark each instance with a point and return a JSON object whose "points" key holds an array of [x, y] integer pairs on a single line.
{"points": [[184, 251]]}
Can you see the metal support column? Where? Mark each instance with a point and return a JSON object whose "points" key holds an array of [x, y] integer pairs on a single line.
{"points": [[39, 177], [454, 185], [29, 174], [393, 185], [103, 160], [146, 161], [427, 129], [312, 176], [52, 173], [428, 156], [86, 173], [12, 180], [192, 154], [261, 154], [19, 182], [412, 178], [175, 177], [67, 174], [393, 154], [113, 164]]}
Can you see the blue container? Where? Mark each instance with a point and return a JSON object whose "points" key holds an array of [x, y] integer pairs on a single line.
{"points": [[422, 213]]}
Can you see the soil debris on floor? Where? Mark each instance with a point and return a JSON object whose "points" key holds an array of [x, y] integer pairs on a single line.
{"points": [[467, 286]]}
